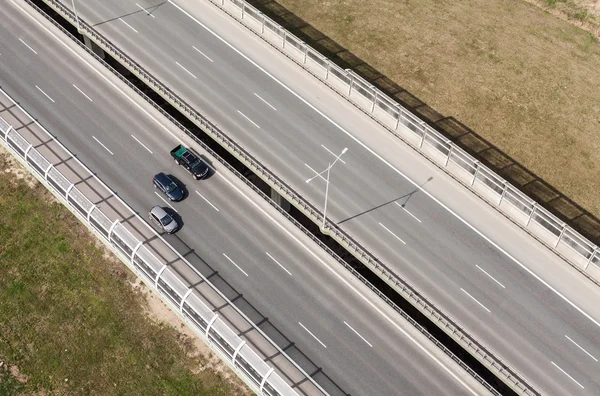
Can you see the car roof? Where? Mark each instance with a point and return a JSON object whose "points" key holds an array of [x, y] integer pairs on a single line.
{"points": [[159, 212], [163, 178]]}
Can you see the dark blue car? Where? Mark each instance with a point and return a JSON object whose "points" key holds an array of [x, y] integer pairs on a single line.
{"points": [[165, 184]]}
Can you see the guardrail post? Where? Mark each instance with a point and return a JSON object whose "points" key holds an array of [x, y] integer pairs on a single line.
{"points": [[503, 193], [7, 132], [591, 258], [327, 70], [135, 251], [89, 213], [112, 227], [187, 293], [164, 267], [27, 151], [449, 154], [374, 100], [243, 9], [560, 236], [351, 83], [531, 214], [305, 52], [476, 172], [422, 124], [237, 350], [265, 378], [208, 326], [69, 191], [262, 25], [283, 43], [46, 172]]}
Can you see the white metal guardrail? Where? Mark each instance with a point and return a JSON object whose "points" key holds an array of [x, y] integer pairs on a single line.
{"points": [[174, 290], [407, 291], [524, 211]]}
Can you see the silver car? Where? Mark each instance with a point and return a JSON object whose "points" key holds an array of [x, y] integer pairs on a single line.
{"points": [[162, 219]]}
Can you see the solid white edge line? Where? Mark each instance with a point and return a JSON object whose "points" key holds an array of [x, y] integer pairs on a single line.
{"points": [[232, 262], [356, 332], [474, 299], [142, 144], [131, 27], [491, 277], [332, 153], [257, 206], [567, 374], [165, 201], [202, 53], [396, 236], [248, 118], [267, 103], [27, 45], [309, 332], [190, 73], [101, 144], [420, 188], [278, 263], [406, 210], [83, 93], [207, 201], [580, 347], [146, 11], [48, 96]]}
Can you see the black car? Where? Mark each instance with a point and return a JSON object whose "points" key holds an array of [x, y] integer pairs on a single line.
{"points": [[165, 184]]}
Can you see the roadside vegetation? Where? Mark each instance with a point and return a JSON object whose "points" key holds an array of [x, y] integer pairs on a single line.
{"points": [[519, 76], [74, 320]]}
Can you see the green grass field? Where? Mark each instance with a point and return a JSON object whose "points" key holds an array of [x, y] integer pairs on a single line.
{"points": [[70, 321]]}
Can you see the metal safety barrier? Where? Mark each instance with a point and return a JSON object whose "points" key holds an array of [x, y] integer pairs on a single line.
{"points": [[407, 291]]}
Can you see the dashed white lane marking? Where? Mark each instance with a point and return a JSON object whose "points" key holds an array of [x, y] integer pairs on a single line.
{"points": [[48, 96], [202, 53], [332, 153], [396, 236], [267, 103], [491, 277], [207, 201], [278, 263], [246, 117], [406, 210], [186, 70], [232, 262], [100, 143], [165, 201], [142, 144], [130, 27], [145, 10], [83, 93], [309, 332], [580, 347], [567, 374], [27, 45], [356, 332], [474, 299]]}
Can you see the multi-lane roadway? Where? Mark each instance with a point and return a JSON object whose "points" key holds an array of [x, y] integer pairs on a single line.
{"points": [[519, 299], [236, 239]]}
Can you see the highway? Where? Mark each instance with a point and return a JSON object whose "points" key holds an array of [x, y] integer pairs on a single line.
{"points": [[259, 259], [523, 302]]}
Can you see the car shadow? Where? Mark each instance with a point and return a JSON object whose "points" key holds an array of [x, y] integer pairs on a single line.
{"points": [[211, 168]]}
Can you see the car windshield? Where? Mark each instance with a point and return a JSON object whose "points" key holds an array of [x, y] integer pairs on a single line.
{"points": [[171, 187], [166, 220]]}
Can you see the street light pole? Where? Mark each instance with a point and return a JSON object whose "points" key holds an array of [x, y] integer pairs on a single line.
{"points": [[328, 169], [76, 16]]}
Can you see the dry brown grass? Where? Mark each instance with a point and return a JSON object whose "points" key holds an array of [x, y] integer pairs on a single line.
{"points": [[523, 79]]}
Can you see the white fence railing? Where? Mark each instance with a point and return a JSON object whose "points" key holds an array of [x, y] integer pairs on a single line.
{"points": [[524, 211], [173, 289]]}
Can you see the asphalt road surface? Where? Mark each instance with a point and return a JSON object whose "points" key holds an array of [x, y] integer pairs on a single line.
{"points": [[547, 330], [246, 248]]}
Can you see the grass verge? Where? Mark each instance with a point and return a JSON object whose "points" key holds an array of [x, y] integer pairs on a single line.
{"points": [[521, 78], [70, 320]]}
